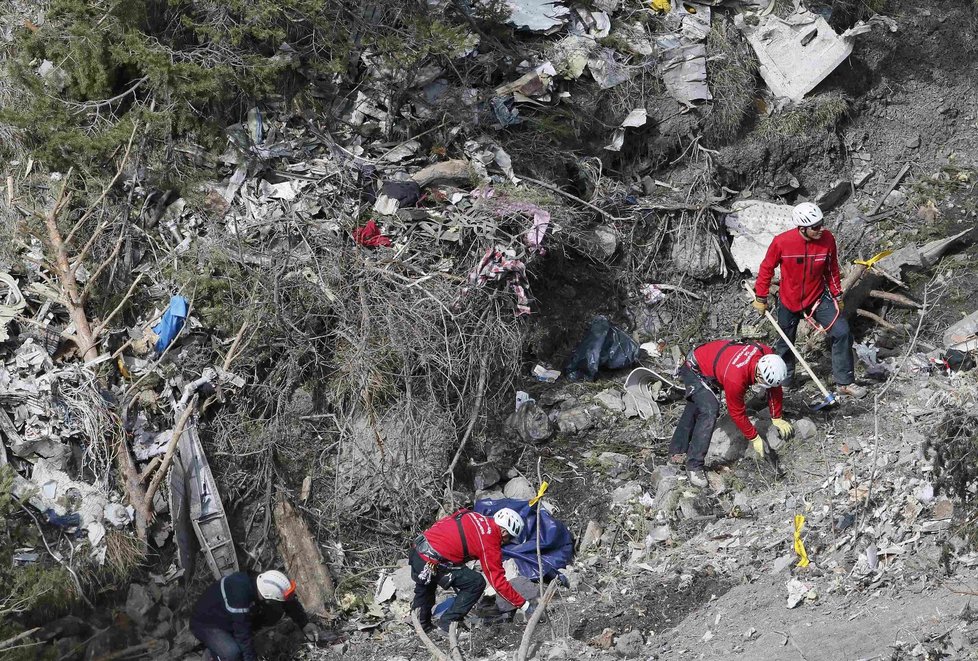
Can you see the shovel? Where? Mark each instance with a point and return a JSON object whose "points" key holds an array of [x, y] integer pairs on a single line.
{"points": [[828, 400]]}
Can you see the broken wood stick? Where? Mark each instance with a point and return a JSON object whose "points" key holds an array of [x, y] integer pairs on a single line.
{"points": [[554, 189], [476, 410], [534, 620], [853, 276], [453, 648], [893, 279], [665, 287], [880, 320], [893, 184], [171, 448], [4, 644], [154, 462], [426, 640], [898, 299]]}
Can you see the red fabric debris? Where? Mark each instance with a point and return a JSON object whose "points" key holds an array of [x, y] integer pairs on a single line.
{"points": [[369, 235]]}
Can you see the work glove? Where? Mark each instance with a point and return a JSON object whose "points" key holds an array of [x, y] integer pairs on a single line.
{"points": [[758, 445], [840, 304], [785, 430], [529, 608], [760, 304]]}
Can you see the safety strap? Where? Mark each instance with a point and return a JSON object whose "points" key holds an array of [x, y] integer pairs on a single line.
{"points": [[461, 534], [227, 604], [726, 346]]}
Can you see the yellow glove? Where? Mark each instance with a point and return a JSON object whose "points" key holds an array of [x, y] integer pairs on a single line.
{"points": [[760, 304], [758, 445], [785, 430], [840, 303]]}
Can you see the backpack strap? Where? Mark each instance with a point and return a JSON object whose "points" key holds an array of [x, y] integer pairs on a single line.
{"points": [[461, 533]]}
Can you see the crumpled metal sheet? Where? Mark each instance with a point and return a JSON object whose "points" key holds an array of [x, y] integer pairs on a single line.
{"points": [[753, 225], [798, 52], [683, 69], [12, 306], [537, 15]]}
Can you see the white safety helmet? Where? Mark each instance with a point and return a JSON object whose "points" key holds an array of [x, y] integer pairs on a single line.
{"points": [[509, 521], [807, 214], [275, 586], [771, 370]]}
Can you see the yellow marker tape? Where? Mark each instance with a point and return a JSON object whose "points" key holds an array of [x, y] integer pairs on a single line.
{"points": [[543, 490], [123, 369], [800, 545], [872, 260]]}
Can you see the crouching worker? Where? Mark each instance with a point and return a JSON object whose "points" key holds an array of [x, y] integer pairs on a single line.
{"points": [[231, 610], [728, 368], [439, 556]]}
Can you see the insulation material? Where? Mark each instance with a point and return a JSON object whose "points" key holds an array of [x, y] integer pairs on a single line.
{"points": [[798, 52], [753, 225], [56, 489]]}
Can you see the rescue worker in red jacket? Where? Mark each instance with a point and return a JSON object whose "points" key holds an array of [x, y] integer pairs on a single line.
{"points": [[731, 368], [810, 288], [439, 556]]}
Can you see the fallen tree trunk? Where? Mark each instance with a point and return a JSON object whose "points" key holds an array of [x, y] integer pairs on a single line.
{"points": [[303, 559]]}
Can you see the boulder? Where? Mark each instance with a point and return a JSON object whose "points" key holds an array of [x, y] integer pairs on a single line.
{"points": [[660, 473], [574, 420], [611, 399], [805, 429], [727, 444], [519, 488], [485, 477], [630, 644], [615, 462], [626, 492]]}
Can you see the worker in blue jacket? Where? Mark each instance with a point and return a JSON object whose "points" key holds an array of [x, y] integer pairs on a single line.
{"points": [[232, 609]]}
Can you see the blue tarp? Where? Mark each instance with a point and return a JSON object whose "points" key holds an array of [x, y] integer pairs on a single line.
{"points": [[171, 323], [556, 542]]}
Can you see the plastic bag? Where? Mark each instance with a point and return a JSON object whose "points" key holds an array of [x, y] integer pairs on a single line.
{"points": [[605, 345]]}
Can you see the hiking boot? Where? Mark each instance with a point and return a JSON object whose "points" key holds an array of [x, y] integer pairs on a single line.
{"points": [[698, 478], [853, 390]]}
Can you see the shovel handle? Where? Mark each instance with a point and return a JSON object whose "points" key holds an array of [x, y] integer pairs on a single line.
{"points": [[767, 315]]}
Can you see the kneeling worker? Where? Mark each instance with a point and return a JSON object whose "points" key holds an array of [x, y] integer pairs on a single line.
{"points": [[232, 609], [439, 556], [728, 367]]}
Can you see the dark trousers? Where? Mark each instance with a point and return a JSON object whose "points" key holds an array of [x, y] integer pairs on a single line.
{"points": [[220, 642], [468, 585], [839, 339], [695, 427]]}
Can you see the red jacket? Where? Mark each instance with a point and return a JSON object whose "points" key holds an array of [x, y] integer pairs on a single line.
{"points": [[484, 541], [735, 370], [807, 267]]}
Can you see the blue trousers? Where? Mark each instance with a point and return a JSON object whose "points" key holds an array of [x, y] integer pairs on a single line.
{"points": [[839, 338], [218, 641]]}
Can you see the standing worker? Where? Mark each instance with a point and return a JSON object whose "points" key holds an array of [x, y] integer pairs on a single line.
{"points": [[439, 556], [728, 367], [810, 288], [232, 609]]}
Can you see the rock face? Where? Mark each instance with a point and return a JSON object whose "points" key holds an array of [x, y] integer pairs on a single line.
{"points": [[138, 604]]}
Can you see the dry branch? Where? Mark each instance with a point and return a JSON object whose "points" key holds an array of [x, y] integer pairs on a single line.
{"points": [[534, 620], [879, 320], [426, 640], [453, 647], [4, 644], [898, 299], [171, 449]]}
